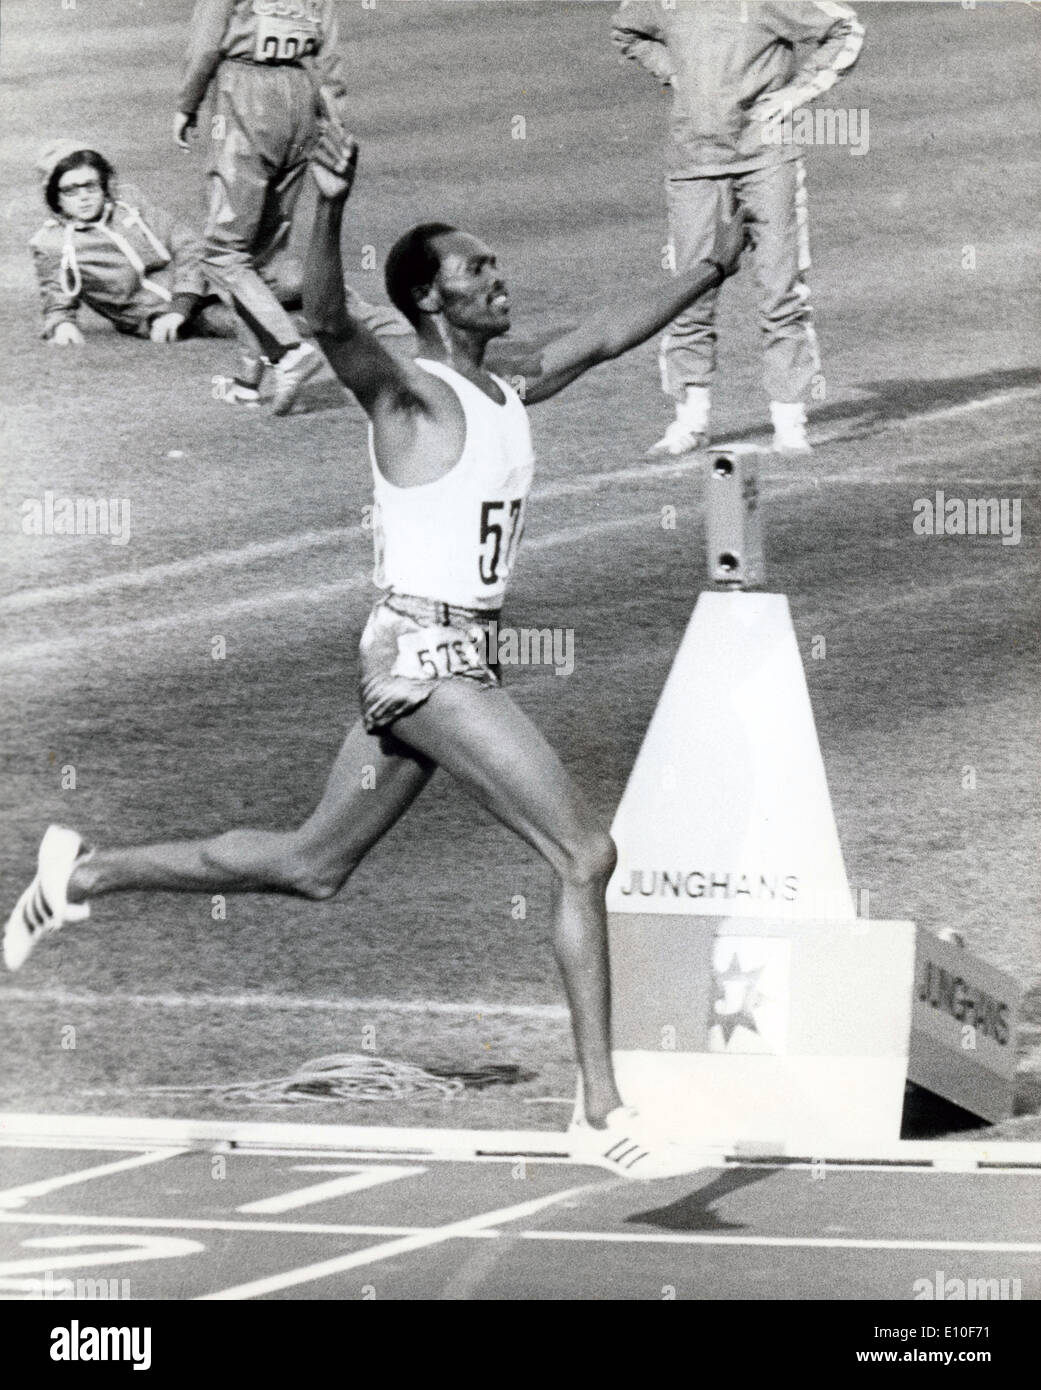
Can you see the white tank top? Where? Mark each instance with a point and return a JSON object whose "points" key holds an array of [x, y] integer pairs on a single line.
{"points": [[456, 538]]}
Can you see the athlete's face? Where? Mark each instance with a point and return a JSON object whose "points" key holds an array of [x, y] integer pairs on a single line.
{"points": [[80, 194], [470, 284]]}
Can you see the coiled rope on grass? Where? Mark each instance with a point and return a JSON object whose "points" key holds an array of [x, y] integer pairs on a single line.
{"points": [[356, 1076]]}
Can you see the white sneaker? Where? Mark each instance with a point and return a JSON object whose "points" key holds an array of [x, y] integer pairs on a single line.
{"points": [[631, 1148], [238, 393], [678, 440], [689, 431], [789, 420], [44, 907], [291, 371]]}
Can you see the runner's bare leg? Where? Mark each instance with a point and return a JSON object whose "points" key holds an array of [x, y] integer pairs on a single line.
{"points": [[372, 783], [494, 750], [484, 740]]}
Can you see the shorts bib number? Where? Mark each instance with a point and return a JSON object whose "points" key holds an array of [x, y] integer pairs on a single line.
{"points": [[434, 653]]}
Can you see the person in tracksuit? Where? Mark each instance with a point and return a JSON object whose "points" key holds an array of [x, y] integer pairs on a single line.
{"points": [[129, 261], [267, 61], [734, 73]]}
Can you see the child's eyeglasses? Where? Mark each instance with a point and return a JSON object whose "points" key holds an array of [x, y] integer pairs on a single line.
{"points": [[86, 186]]}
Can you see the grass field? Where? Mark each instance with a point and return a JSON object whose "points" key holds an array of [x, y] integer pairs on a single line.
{"points": [[250, 527]]}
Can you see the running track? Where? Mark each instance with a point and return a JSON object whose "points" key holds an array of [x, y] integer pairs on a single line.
{"points": [[216, 1220]]}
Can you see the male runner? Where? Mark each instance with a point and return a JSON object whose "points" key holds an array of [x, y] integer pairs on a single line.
{"points": [[267, 60], [452, 466]]}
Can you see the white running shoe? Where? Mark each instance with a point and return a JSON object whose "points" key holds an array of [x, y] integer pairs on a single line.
{"points": [[238, 393], [44, 907], [689, 431], [789, 420], [678, 440], [291, 371], [631, 1148]]}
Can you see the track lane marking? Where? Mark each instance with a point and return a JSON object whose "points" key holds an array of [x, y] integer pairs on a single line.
{"points": [[195, 566], [485, 1232], [362, 1176], [325, 1269], [1000, 1247], [191, 568], [18, 1196], [92, 634], [930, 1157], [177, 1223], [129, 1250], [450, 1008]]}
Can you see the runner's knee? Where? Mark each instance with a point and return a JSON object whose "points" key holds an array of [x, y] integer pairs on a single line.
{"points": [[318, 869], [590, 859], [315, 876]]}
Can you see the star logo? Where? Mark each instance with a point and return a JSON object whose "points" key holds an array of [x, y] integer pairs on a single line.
{"points": [[737, 998]]}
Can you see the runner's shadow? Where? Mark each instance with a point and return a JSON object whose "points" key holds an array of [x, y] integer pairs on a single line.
{"points": [[904, 398], [694, 1212]]}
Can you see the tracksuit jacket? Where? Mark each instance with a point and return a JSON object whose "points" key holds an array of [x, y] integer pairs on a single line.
{"points": [[721, 56], [130, 266], [301, 31]]}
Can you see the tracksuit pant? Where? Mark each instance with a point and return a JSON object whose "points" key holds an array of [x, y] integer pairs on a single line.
{"points": [[263, 126], [775, 199]]}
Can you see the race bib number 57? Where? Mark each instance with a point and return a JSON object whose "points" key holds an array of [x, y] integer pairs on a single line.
{"points": [[433, 653]]}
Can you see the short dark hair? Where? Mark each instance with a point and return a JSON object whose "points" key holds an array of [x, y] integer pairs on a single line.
{"points": [[412, 265], [76, 160]]}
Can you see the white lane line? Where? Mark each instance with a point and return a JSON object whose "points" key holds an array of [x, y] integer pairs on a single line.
{"points": [[378, 1154], [473, 1008], [362, 1176], [18, 1196], [197, 565], [317, 1140], [877, 424], [371, 1153], [129, 1250], [324, 1269], [920, 596], [93, 634], [171, 1223], [491, 1233], [191, 568], [286, 1138], [997, 1247]]}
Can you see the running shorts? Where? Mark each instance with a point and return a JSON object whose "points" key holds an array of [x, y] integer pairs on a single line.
{"points": [[411, 645]]}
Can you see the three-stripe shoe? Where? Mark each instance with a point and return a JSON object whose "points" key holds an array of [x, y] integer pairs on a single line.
{"points": [[630, 1147], [44, 906]]}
